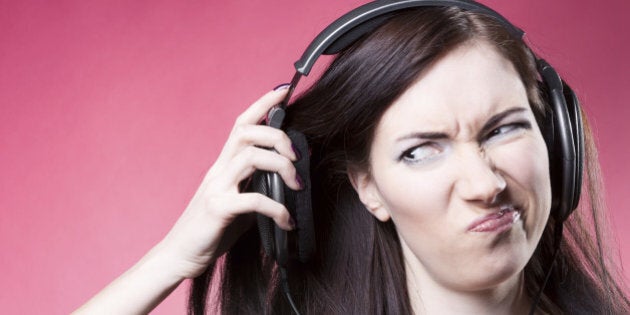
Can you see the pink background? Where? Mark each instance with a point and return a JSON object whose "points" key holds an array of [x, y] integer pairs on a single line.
{"points": [[111, 112]]}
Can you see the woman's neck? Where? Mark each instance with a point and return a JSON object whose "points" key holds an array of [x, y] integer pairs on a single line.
{"points": [[430, 297]]}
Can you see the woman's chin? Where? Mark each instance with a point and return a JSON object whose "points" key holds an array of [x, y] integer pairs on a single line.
{"points": [[491, 277]]}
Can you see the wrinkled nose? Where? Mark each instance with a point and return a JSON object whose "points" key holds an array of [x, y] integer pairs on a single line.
{"points": [[479, 180]]}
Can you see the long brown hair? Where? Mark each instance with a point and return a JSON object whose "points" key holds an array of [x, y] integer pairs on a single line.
{"points": [[358, 267]]}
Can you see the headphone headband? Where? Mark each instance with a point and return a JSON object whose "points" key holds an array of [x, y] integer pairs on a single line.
{"points": [[567, 130], [564, 138], [352, 25]]}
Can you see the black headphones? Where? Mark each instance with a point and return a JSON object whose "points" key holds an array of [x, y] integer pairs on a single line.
{"points": [[564, 137]]}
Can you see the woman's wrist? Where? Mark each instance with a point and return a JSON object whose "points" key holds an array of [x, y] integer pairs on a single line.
{"points": [[162, 263], [168, 261]]}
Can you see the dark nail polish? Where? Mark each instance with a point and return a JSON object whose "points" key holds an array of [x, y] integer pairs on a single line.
{"points": [[282, 86], [298, 179], [296, 151]]}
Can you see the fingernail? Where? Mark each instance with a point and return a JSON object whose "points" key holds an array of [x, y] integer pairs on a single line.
{"points": [[292, 223], [298, 179], [296, 151], [282, 86]]}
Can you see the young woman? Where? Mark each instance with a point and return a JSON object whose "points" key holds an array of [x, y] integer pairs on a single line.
{"points": [[431, 191]]}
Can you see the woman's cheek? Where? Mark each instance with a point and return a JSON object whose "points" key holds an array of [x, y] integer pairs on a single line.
{"points": [[412, 193], [526, 168]]}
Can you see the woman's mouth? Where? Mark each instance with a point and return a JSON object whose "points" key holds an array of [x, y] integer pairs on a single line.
{"points": [[497, 222]]}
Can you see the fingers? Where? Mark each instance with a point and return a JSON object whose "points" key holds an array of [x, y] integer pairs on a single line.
{"points": [[247, 133], [206, 226], [253, 158], [245, 153], [253, 202], [259, 109], [263, 136]]}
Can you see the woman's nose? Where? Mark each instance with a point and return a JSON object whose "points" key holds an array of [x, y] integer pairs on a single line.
{"points": [[479, 180]]}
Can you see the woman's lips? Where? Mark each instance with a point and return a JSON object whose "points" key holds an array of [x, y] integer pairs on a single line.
{"points": [[496, 222]]}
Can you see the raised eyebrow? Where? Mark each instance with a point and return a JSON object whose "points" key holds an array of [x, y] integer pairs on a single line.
{"points": [[497, 118]]}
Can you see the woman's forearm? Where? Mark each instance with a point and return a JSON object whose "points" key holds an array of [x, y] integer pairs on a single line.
{"points": [[138, 290]]}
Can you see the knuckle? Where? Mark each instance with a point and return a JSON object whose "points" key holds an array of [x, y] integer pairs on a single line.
{"points": [[239, 131], [248, 155], [279, 135], [283, 139], [282, 213], [288, 167]]}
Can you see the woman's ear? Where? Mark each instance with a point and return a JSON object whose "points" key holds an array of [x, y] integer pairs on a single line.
{"points": [[369, 195]]}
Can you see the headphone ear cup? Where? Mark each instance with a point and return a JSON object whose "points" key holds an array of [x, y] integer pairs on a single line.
{"points": [[299, 202], [548, 130], [575, 117], [567, 149], [301, 243], [265, 224]]}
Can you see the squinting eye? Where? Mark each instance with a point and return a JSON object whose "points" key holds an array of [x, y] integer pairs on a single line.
{"points": [[420, 153], [508, 128]]}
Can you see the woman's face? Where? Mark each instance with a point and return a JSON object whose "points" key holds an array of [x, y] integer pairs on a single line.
{"points": [[460, 166]]}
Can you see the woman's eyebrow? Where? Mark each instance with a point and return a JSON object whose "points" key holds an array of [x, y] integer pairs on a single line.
{"points": [[424, 135], [497, 118], [493, 121]]}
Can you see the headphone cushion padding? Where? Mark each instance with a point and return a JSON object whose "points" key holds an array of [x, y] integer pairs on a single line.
{"points": [[265, 224], [299, 202]]}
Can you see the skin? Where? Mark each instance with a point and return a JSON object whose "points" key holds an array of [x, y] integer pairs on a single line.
{"points": [[458, 145], [461, 177], [215, 217]]}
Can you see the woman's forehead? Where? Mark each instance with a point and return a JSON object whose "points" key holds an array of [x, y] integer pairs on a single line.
{"points": [[468, 84]]}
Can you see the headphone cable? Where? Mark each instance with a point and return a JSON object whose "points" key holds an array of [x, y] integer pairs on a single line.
{"points": [[284, 282], [557, 240]]}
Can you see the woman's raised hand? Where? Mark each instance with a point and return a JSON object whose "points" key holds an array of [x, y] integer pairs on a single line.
{"points": [[215, 217], [209, 225]]}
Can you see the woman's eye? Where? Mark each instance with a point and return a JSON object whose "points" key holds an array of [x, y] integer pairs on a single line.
{"points": [[508, 129], [420, 153]]}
